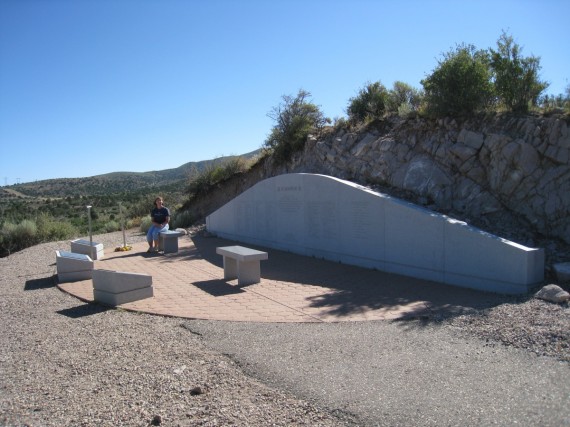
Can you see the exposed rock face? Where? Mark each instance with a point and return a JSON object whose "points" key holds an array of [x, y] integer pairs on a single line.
{"points": [[477, 166]]}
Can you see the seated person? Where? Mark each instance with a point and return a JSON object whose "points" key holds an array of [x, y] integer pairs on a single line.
{"points": [[160, 216]]}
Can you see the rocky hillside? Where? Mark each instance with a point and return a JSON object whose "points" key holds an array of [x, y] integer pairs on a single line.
{"points": [[505, 174]]}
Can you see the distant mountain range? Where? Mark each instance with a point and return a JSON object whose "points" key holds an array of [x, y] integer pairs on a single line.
{"points": [[115, 182]]}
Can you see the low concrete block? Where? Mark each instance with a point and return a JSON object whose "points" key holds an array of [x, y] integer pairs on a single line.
{"points": [[72, 267], [562, 271], [93, 249], [74, 276], [110, 298], [168, 241], [116, 282]]}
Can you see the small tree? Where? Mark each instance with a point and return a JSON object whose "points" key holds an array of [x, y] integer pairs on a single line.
{"points": [[403, 96], [516, 77], [461, 83], [295, 119], [369, 104]]}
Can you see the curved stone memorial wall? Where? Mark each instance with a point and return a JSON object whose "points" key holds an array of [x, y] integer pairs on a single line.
{"points": [[326, 217]]}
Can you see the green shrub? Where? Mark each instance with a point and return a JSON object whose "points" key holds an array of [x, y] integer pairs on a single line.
{"points": [[403, 98], [369, 104], [339, 123], [16, 237], [405, 109], [461, 83], [182, 219], [8, 238], [146, 222], [111, 226], [26, 232], [50, 229], [516, 77], [142, 207], [133, 223], [551, 102]]}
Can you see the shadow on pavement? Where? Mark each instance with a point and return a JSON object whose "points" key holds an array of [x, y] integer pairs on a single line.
{"points": [[218, 288], [356, 290]]}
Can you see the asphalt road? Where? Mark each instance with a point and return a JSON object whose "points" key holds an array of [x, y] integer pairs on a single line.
{"points": [[399, 373]]}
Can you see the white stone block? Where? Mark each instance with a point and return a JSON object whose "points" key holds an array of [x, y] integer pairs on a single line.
{"points": [[110, 298], [117, 282], [73, 267], [93, 249], [562, 271]]}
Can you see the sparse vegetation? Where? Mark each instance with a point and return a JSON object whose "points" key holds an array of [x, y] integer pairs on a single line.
{"points": [[369, 104], [26, 233], [467, 80], [215, 173], [295, 118], [515, 77]]}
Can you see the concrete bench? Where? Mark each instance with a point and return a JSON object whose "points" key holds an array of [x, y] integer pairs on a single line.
{"points": [[72, 267], [242, 263], [93, 249], [168, 241], [120, 287]]}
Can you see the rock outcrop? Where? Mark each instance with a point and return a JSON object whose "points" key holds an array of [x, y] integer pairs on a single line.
{"points": [[476, 167]]}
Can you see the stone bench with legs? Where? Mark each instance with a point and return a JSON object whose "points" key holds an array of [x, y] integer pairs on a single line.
{"points": [[242, 263]]}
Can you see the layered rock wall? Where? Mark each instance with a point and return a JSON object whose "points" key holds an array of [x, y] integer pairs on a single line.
{"points": [[476, 166]]}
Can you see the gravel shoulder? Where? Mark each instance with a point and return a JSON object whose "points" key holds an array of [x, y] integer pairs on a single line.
{"points": [[64, 362]]}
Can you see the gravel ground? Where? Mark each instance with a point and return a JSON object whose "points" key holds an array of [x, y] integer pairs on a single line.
{"points": [[64, 362], [67, 363]]}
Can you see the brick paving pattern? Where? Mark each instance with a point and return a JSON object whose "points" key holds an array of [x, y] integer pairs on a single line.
{"points": [[293, 288]]}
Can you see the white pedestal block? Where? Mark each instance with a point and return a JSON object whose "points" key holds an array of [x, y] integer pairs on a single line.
{"points": [[119, 287], [119, 281], [72, 267], [168, 241], [93, 249]]}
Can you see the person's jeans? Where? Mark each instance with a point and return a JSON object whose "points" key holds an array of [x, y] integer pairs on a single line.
{"points": [[153, 232]]}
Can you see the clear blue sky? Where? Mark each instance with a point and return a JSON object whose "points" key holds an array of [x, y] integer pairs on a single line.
{"points": [[89, 87]]}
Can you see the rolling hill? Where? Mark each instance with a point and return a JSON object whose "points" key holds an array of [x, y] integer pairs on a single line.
{"points": [[111, 183]]}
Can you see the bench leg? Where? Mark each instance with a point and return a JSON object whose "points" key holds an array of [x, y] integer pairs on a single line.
{"points": [[168, 245], [230, 268], [171, 246], [249, 273]]}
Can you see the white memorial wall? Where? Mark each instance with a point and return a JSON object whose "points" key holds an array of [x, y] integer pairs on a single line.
{"points": [[326, 217]]}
